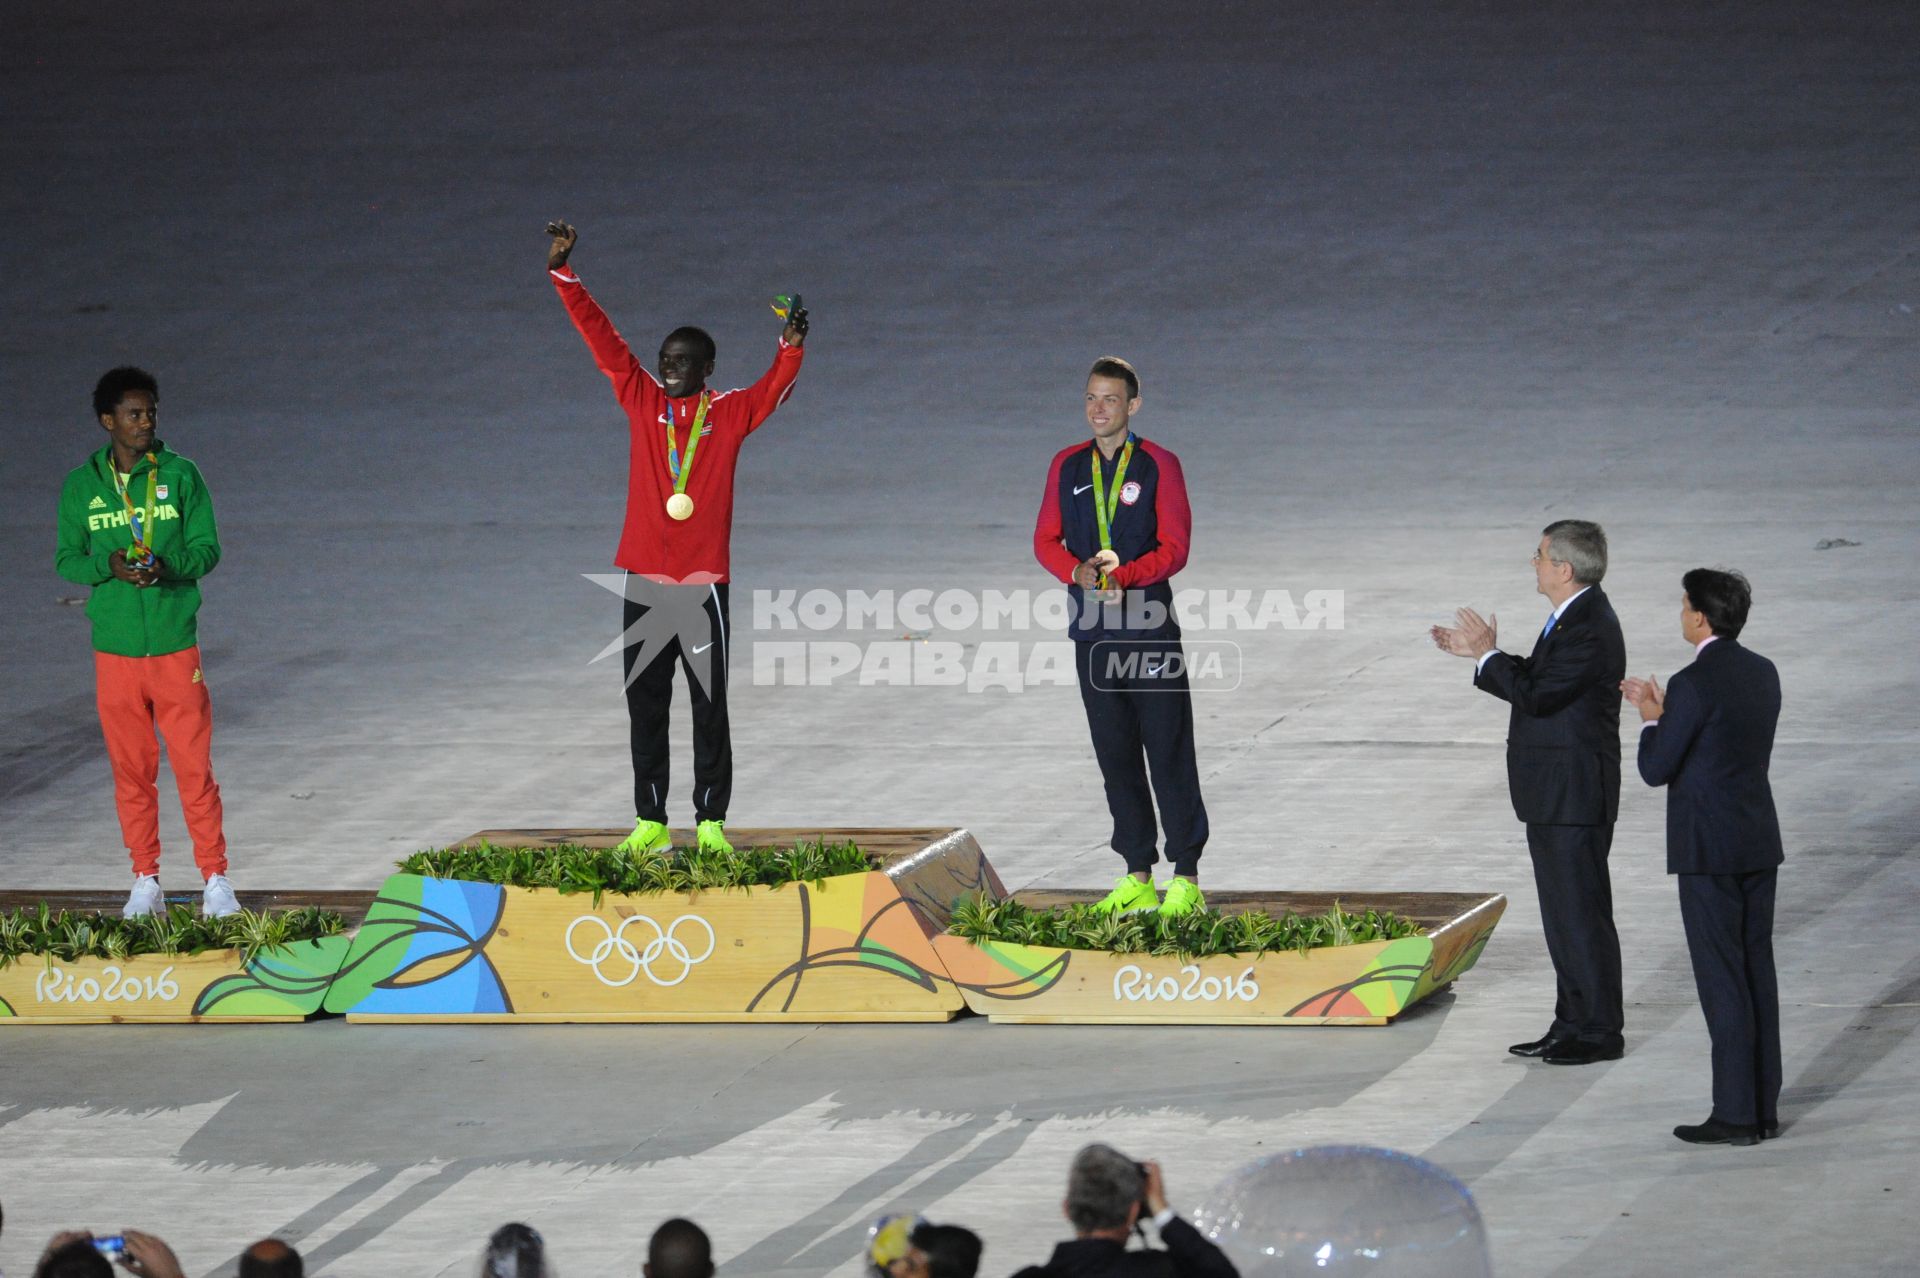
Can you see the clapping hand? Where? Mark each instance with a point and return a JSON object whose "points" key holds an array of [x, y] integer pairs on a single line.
{"points": [[1469, 636], [1646, 696]]}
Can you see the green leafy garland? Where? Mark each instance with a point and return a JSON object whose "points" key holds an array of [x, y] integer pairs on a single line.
{"points": [[1196, 935], [571, 868], [69, 935]]}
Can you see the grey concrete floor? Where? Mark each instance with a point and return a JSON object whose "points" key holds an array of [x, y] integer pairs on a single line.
{"points": [[1404, 284]]}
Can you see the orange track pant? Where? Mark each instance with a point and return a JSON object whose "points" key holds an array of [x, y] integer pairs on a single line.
{"points": [[137, 695]]}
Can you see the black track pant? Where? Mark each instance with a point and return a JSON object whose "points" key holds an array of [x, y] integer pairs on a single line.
{"points": [[650, 697], [1576, 912], [1140, 713]]}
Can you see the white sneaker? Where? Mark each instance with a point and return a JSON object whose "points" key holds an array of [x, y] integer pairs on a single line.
{"points": [[145, 898], [218, 900]]}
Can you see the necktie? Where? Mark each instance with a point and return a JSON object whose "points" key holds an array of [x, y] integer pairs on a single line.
{"points": [[1548, 628]]}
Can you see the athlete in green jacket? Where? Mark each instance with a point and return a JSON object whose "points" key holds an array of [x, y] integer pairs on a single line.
{"points": [[136, 524]]}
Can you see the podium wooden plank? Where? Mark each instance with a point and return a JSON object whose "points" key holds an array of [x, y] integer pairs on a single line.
{"points": [[885, 843], [1427, 909]]}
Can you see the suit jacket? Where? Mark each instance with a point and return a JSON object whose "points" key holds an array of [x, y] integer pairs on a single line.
{"points": [[1563, 735], [1710, 748]]}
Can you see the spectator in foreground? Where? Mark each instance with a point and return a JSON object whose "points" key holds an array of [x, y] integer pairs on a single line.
{"points": [[678, 1249], [271, 1258], [72, 1255], [514, 1251], [78, 1254], [939, 1251], [1107, 1194]]}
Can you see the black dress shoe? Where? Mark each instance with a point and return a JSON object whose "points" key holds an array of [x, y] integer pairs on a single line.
{"points": [[1715, 1132], [1769, 1130], [1539, 1046], [1579, 1051]]}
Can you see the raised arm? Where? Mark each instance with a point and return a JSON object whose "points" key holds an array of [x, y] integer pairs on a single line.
{"points": [[631, 383], [776, 384]]}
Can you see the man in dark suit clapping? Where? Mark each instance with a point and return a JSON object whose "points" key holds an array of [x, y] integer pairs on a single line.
{"points": [[1708, 738], [1563, 774]]}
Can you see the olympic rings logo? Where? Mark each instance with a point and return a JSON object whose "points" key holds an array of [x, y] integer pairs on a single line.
{"points": [[612, 946]]}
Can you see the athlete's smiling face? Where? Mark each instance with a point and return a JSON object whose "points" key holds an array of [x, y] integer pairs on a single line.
{"points": [[132, 422], [684, 367], [1109, 408]]}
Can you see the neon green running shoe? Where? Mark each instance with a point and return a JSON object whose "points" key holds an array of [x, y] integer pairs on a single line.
{"points": [[647, 836], [1129, 894], [713, 837], [1183, 897]]}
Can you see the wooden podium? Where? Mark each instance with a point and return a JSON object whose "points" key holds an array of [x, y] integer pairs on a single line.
{"points": [[870, 946], [855, 947], [1367, 984]]}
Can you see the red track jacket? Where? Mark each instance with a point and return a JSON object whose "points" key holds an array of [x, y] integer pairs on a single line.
{"points": [[652, 544]]}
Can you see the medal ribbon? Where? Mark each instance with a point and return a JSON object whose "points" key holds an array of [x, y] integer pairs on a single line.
{"points": [[683, 469], [1105, 507], [142, 527]]}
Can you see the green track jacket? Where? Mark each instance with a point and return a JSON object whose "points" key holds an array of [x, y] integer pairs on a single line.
{"points": [[128, 620]]}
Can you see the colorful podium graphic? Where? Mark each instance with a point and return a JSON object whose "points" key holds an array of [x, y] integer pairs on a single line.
{"points": [[1364, 984], [866, 945], [853, 947]]}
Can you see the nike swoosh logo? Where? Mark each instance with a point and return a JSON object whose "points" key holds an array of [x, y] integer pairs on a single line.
{"points": [[702, 648], [1081, 489]]}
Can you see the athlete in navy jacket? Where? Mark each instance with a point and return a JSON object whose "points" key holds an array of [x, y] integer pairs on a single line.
{"points": [[1133, 679]]}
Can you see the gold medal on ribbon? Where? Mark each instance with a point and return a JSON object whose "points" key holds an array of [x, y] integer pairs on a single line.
{"points": [[1105, 506], [680, 506]]}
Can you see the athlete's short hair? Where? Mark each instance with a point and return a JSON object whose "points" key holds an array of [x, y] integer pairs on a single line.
{"points": [[116, 382], [1114, 366], [698, 336]]}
